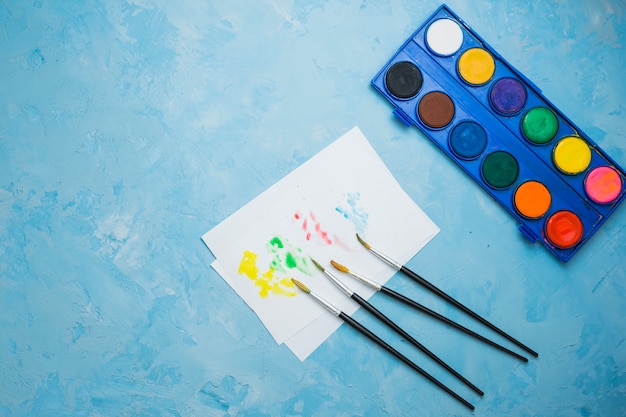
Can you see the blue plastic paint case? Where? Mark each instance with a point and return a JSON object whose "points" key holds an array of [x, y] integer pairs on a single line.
{"points": [[498, 127]]}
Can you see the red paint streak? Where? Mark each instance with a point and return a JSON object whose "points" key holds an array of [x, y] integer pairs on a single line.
{"points": [[322, 234], [311, 226]]}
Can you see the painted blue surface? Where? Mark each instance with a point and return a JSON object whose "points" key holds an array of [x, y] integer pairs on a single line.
{"points": [[129, 129]]}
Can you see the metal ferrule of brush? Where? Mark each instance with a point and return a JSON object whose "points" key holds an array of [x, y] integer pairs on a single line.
{"points": [[366, 281], [386, 259], [347, 291], [328, 306]]}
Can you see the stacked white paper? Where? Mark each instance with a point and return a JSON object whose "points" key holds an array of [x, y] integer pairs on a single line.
{"points": [[315, 212]]}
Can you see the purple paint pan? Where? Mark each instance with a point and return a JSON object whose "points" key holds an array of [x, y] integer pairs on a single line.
{"points": [[507, 96]]}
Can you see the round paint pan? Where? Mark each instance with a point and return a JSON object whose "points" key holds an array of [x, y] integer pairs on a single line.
{"points": [[603, 184], [476, 66], [507, 96], [571, 155], [403, 80], [468, 140], [499, 169], [444, 37], [564, 229], [436, 110], [532, 199], [539, 125]]}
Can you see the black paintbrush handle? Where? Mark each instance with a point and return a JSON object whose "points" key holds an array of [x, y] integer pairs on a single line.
{"points": [[451, 300], [449, 322], [379, 315], [366, 332]]}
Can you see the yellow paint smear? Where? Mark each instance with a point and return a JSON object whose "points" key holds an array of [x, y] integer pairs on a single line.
{"points": [[247, 266], [267, 282]]}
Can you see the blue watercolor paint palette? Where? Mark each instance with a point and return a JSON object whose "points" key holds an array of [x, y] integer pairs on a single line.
{"points": [[498, 127]]}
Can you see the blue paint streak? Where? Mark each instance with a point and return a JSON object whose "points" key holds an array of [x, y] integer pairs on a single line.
{"points": [[353, 211]]}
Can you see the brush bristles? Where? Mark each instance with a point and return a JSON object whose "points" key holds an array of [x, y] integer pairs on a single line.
{"points": [[364, 243], [320, 267], [301, 286], [339, 267]]}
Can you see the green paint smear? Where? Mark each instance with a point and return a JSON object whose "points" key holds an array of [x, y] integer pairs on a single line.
{"points": [[291, 261], [287, 257], [275, 241]]}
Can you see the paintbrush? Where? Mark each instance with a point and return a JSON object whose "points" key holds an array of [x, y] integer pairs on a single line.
{"points": [[379, 315], [388, 291], [369, 334], [442, 294]]}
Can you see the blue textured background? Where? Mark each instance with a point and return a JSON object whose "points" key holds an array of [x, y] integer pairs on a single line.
{"points": [[128, 129]]}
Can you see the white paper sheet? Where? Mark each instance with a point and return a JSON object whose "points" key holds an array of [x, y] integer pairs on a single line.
{"points": [[315, 211]]}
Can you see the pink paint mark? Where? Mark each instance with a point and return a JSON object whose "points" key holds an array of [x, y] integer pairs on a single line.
{"points": [[343, 245]]}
